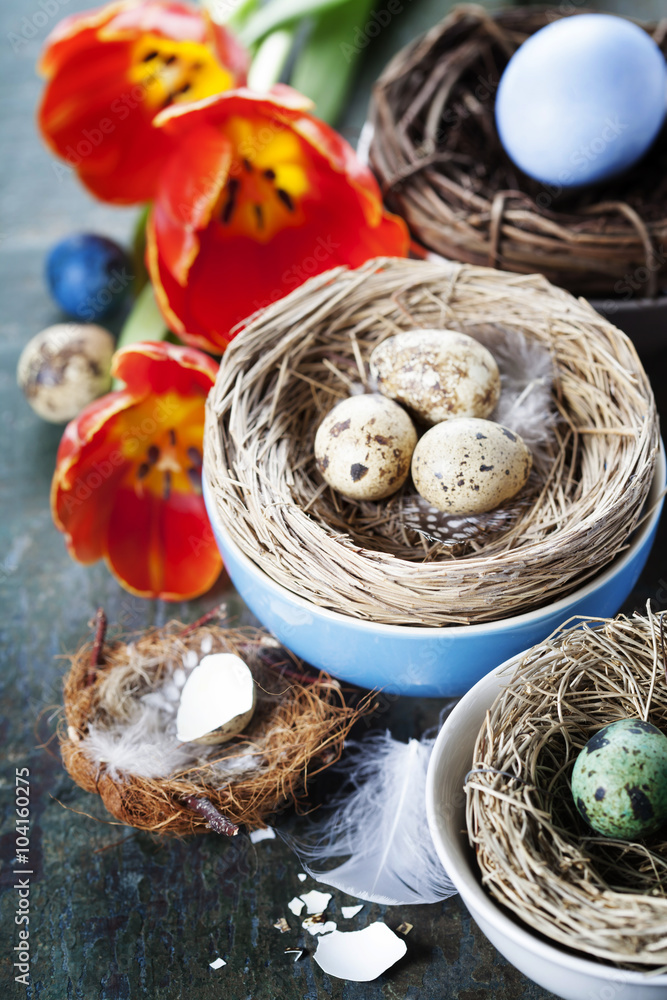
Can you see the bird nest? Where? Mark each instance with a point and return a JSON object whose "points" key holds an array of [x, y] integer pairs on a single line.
{"points": [[440, 164], [595, 894], [110, 693], [296, 359]]}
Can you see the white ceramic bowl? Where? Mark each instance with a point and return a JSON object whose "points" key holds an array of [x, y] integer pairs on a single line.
{"points": [[563, 973]]}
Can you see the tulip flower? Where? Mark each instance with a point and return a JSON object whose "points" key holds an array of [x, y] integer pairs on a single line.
{"points": [[109, 71], [127, 484], [257, 197]]}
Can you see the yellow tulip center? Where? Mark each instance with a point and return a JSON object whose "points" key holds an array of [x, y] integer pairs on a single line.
{"points": [[162, 440], [267, 179], [171, 72]]}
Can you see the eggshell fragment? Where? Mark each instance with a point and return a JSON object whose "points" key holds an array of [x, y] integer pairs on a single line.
{"points": [[359, 956], [468, 466], [363, 447], [64, 368], [437, 373], [217, 701]]}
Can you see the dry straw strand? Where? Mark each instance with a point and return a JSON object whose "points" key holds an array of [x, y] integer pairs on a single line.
{"points": [[362, 559], [299, 727], [441, 166], [536, 855]]}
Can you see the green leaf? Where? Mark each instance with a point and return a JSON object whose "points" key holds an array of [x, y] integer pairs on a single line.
{"points": [[325, 66], [145, 322], [270, 60], [278, 13]]}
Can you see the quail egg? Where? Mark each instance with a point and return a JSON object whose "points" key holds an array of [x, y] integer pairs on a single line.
{"points": [[364, 445], [438, 374], [619, 781], [468, 465], [64, 368]]}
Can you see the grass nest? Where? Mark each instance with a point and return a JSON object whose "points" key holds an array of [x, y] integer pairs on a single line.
{"points": [[299, 727], [440, 164], [594, 894], [296, 359]]}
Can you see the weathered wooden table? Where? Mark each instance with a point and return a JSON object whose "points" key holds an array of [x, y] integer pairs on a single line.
{"points": [[116, 914]]}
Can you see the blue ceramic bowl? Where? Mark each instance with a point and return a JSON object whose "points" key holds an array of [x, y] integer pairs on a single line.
{"points": [[426, 662]]}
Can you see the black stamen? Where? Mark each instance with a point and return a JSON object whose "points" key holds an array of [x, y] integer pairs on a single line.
{"points": [[166, 489], [194, 475], [270, 174], [172, 437], [153, 454], [182, 90], [259, 215], [232, 187], [247, 164], [143, 470], [285, 198], [195, 456], [170, 59], [149, 56], [167, 101]]}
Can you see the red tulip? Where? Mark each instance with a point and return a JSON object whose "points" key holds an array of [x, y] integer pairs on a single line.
{"points": [[127, 484], [110, 71], [258, 197]]}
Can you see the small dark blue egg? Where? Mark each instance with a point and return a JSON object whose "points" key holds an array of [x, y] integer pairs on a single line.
{"points": [[88, 275]]}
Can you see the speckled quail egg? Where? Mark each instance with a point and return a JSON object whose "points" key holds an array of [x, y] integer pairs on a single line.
{"points": [[64, 368], [619, 781], [364, 445], [437, 373], [468, 465]]}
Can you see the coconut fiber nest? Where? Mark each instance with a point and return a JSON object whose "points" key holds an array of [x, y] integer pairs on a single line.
{"points": [[299, 726], [537, 856], [440, 163], [295, 360]]}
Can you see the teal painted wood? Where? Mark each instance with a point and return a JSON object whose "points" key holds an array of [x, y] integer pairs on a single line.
{"points": [[114, 913]]}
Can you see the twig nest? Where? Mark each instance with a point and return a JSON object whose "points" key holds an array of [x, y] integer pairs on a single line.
{"points": [[600, 895], [217, 701], [119, 737], [619, 781], [468, 466], [437, 373], [363, 447], [64, 368]]}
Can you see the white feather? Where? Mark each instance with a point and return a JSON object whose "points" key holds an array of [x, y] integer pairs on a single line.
{"points": [[381, 827]]}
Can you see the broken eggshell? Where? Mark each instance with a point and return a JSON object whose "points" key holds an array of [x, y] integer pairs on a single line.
{"points": [[359, 956], [64, 368], [469, 466], [438, 374], [364, 445], [217, 701]]}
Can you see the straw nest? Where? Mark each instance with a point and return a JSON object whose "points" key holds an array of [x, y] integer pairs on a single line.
{"points": [[298, 728], [437, 155], [299, 357], [595, 894]]}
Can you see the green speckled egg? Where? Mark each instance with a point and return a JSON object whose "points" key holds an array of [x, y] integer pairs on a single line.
{"points": [[619, 781]]}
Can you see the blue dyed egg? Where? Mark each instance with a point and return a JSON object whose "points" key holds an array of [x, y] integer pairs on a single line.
{"points": [[582, 100], [88, 275], [619, 780]]}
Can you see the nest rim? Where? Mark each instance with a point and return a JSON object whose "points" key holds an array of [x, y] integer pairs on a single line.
{"points": [[589, 244]]}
